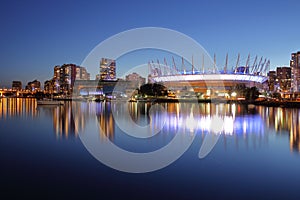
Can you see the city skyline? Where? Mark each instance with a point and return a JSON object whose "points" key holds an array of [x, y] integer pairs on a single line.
{"points": [[39, 35]]}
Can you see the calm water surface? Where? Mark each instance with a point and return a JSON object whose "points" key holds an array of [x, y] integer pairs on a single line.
{"points": [[42, 154]]}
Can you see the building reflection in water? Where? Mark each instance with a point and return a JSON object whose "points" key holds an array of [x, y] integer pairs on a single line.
{"points": [[63, 121], [230, 120], [284, 121], [16, 107], [105, 120], [71, 118]]}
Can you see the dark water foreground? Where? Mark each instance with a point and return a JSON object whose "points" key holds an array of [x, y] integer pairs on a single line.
{"points": [[42, 155]]}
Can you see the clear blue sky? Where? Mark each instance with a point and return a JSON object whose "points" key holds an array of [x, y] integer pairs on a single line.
{"points": [[36, 35]]}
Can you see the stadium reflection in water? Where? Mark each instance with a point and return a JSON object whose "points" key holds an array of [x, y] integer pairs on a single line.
{"points": [[230, 120]]}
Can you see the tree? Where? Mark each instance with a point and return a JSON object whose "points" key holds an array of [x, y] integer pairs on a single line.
{"points": [[251, 93], [276, 95], [240, 89], [153, 89]]}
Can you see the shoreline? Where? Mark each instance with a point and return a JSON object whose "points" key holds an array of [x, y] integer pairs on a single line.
{"points": [[267, 102]]}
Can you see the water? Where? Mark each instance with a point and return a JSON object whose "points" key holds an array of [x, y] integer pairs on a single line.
{"points": [[43, 150]]}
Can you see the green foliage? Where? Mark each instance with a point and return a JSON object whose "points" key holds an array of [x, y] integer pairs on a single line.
{"points": [[250, 94], [153, 89], [276, 95]]}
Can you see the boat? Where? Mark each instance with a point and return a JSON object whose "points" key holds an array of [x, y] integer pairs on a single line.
{"points": [[49, 102]]}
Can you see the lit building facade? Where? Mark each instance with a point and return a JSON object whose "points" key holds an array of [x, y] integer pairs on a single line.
{"points": [[136, 78], [33, 86], [49, 86], [64, 78], [82, 74], [272, 80], [17, 85], [107, 69], [283, 79], [295, 67], [97, 77], [67, 78]]}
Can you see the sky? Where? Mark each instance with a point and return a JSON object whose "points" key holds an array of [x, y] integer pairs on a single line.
{"points": [[37, 35]]}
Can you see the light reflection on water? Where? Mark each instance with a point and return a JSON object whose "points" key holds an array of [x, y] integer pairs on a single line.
{"points": [[231, 120]]}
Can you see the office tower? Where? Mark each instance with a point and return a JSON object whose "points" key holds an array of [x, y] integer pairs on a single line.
{"points": [[283, 79], [107, 69], [17, 85], [33, 86], [295, 66]]}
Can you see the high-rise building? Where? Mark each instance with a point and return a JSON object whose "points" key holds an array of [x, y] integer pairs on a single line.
{"points": [[33, 86], [49, 86], [136, 78], [64, 78], [107, 69], [295, 66], [55, 81], [272, 80], [17, 85], [97, 77], [67, 78], [82, 74], [283, 78]]}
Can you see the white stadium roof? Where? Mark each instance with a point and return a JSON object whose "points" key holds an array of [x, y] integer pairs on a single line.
{"points": [[212, 77]]}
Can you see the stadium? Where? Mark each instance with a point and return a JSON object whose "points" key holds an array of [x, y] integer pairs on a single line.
{"points": [[212, 80]]}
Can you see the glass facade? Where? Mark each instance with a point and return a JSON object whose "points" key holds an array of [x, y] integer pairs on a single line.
{"points": [[295, 65], [107, 69]]}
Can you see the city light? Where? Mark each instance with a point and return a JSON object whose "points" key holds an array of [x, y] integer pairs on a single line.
{"points": [[212, 77], [233, 94]]}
